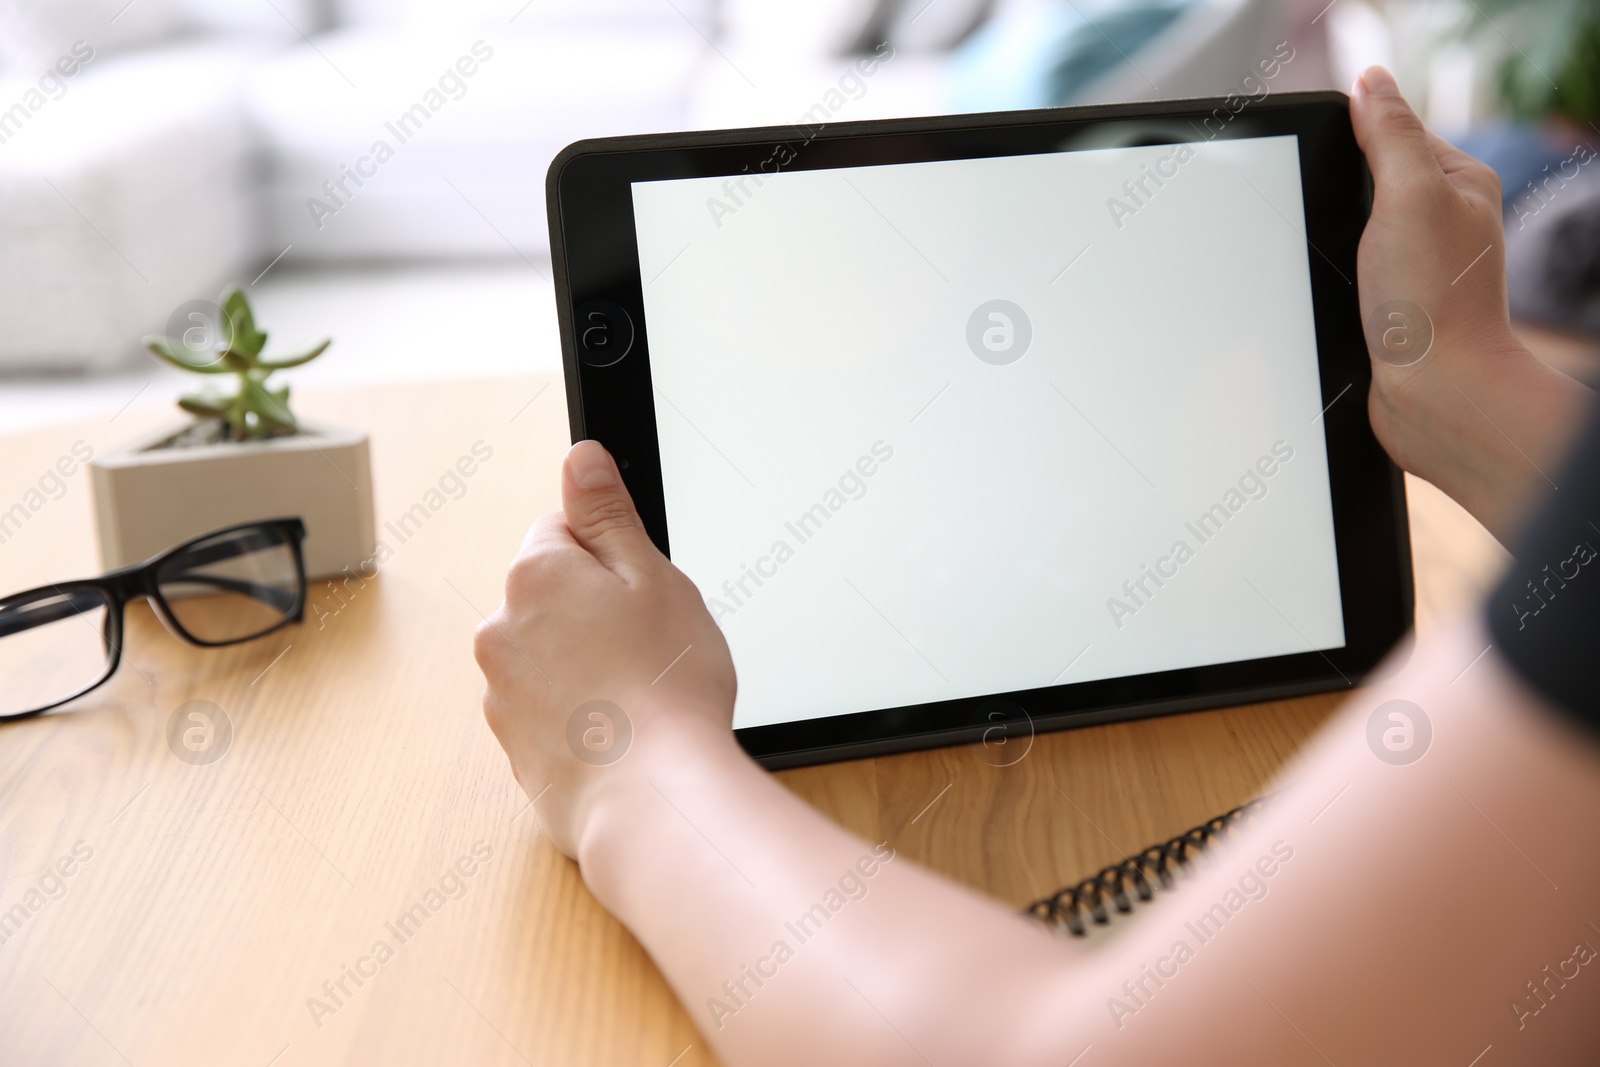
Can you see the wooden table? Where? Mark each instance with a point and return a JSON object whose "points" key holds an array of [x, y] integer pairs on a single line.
{"points": [[216, 900]]}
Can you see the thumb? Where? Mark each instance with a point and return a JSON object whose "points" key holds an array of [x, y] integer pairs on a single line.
{"points": [[599, 510], [1390, 133]]}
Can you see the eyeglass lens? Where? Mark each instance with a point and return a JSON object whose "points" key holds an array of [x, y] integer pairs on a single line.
{"points": [[232, 586], [53, 645]]}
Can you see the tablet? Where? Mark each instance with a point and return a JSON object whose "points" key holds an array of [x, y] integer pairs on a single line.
{"points": [[972, 426]]}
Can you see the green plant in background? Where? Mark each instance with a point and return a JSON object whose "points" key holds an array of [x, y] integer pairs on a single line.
{"points": [[252, 411], [1554, 68]]}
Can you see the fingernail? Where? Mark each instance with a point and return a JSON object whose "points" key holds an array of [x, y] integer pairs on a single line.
{"points": [[1379, 82], [592, 467]]}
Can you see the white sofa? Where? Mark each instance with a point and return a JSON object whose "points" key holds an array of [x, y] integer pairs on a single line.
{"points": [[468, 179], [123, 198], [184, 158]]}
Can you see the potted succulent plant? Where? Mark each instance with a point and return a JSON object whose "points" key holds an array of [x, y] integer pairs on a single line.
{"points": [[243, 456]]}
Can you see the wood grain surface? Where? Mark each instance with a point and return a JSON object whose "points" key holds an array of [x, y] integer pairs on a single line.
{"points": [[173, 913]]}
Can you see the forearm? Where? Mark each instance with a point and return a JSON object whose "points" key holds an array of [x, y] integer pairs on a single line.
{"points": [[1420, 901], [734, 887], [1489, 431]]}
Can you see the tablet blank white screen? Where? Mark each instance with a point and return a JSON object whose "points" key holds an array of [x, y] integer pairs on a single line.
{"points": [[1021, 522]]}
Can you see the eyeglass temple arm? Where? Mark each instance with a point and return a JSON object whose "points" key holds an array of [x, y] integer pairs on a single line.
{"points": [[27, 616]]}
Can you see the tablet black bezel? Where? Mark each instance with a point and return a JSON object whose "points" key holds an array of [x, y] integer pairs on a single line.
{"points": [[595, 257]]}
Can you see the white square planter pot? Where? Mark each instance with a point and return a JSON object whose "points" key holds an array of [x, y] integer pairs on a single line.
{"points": [[148, 499]]}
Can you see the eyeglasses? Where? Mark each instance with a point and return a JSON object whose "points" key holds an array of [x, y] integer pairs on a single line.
{"points": [[60, 641]]}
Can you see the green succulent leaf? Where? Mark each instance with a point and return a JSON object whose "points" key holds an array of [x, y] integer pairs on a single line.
{"points": [[247, 340], [271, 406], [181, 358], [234, 361], [205, 406], [295, 360]]}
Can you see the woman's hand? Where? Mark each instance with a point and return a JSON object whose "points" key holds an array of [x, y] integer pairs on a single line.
{"points": [[1455, 398], [593, 612]]}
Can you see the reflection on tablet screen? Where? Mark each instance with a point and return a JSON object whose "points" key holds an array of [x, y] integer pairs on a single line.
{"points": [[947, 429]]}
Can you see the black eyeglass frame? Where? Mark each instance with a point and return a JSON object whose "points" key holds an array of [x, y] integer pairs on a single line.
{"points": [[127, 584]]}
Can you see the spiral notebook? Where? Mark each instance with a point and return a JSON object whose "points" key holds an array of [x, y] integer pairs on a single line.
{"points": [[1136, 876]]}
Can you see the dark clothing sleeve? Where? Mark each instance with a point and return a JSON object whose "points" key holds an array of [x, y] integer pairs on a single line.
{"points": [[1544, 617]]}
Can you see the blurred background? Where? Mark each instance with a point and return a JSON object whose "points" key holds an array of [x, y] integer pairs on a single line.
{"points": [[373, 169]]}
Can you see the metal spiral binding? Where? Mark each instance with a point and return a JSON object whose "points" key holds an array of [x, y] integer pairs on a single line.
{"points": [[1067, 906]]}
